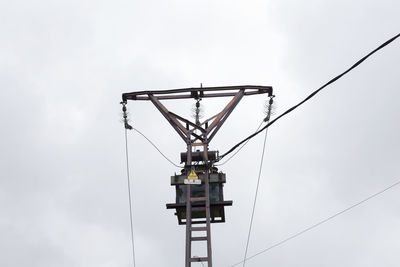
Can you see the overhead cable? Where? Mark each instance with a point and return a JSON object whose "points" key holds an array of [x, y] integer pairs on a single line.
{"points": [[320, 223], [312, 94], [271, 101], [129, 127], [162, 154], [130, 198], [240, 148]]}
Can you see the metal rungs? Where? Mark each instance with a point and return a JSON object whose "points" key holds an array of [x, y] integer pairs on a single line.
{"points": [[193, 205], [198, 238], [199, 222], [198, 259], [198, 228], [197, 198]]}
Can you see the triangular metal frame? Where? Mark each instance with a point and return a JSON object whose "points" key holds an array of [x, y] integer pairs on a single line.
{"points": [[186, 128]]}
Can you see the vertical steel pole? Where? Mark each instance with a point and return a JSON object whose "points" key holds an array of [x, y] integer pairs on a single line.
{"points": [[207, 188], [188, 208]]}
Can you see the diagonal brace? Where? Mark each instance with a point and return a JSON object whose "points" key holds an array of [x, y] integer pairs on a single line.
{"points": [[179, 128], [223, 115]]}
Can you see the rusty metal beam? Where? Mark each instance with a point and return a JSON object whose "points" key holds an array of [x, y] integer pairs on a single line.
{"points": [[196, 127], [223, 115], [201, 92], [179, 128], [188, 247], [207, 189], [207, 120]]}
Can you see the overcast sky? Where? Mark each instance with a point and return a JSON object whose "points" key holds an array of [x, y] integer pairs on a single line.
{"points": [[63, 188]]}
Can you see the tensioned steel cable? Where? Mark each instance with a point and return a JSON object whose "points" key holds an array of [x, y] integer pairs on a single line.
{"points": [[321, 222], [162, 154], [255, 200], [130, 197], [240, 148], [271, 101], [312, 94]]}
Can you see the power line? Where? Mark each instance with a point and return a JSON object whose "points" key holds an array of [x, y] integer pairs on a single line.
{"points": [[269, 111], [255, 199], [237, 151], [312, 94], [162, 154], [129, 127], [258, 181], [129, 197], [321, 222]]}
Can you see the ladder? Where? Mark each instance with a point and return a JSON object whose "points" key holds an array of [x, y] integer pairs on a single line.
{"points": [[204, 224]]}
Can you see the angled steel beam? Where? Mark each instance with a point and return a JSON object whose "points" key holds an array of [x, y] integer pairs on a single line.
{"points": [[182, 131], [190, 132], [223, 115], [194, 125], [207, 120]]}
